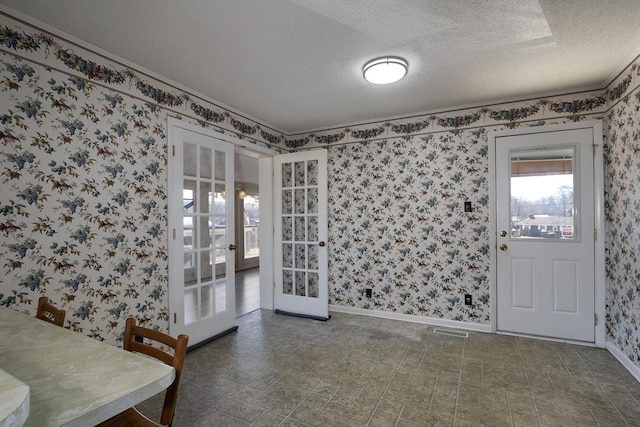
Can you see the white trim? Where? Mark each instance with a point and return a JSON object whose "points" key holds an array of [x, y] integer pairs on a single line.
{"points": [[239, 144], [624, 360], [456, 324], [265, 232], [598, 188]]}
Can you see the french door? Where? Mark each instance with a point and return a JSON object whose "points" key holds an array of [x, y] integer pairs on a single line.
{"points": [[300, 216], [202, 265], [545, 224]]}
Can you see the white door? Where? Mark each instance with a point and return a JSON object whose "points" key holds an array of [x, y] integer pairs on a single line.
{"points": [[300, 216], [202, 266], [545, 225]]}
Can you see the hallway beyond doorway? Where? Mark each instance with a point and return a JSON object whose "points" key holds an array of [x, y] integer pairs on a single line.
{"points": [[247, 291]]}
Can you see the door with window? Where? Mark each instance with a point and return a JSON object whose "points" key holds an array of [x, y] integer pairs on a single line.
{"points": [[300, 215], [545, 225], [202, 265]]}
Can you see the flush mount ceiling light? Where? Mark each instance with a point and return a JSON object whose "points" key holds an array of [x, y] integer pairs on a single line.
{"points": [[382, 71]]}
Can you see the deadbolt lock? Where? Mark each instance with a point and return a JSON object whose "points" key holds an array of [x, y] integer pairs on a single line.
{"points": [[232, 247], [503, 233]]}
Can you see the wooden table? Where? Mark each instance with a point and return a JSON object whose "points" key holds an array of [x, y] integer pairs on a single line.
{"points": [[72, 379]]}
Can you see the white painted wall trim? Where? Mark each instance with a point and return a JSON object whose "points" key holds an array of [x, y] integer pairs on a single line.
{"points": [[624, 360], [455, 324], [598, 185], [265, 232]]}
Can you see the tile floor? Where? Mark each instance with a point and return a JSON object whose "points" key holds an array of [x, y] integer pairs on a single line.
{"points": [[362, 371]]}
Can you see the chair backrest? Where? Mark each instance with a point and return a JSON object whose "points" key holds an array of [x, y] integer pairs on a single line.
{"points": [[136, 339], [49, 312]]}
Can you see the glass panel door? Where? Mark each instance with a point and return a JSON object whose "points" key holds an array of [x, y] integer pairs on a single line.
{"points": [[301, 230], [204, 165]]}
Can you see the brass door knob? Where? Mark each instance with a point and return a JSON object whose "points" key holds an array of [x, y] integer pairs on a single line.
{"points": [[321, 244], [232, 247], [503, 247], [503, 233]]}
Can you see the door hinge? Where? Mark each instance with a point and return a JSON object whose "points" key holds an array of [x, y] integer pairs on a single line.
{"points": [[595, 319], [173, 150], [175, 318], [174, 234], [595, 234], [594, 147]]}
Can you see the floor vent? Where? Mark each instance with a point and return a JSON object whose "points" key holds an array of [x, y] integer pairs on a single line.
{"points": [[451, 333]]}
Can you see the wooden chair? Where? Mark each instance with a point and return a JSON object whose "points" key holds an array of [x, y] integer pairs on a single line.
{"points": [[49, 312], [133, 341]]}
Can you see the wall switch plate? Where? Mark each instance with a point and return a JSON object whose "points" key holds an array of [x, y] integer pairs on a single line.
{"points": [[468, 300], [368, 292], [467, 207]]}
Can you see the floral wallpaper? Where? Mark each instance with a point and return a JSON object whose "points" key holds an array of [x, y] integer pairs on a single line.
{"points": [[397, 225], [622, 217], [83, 192]]}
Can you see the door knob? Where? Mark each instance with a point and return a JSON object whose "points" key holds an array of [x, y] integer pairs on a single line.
{"points": [[321, 244], [232, 247], [503, 247], [503, 233]]}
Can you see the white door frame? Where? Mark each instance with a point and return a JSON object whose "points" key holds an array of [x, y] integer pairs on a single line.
{"points": [[598, 187], [265, 229]]}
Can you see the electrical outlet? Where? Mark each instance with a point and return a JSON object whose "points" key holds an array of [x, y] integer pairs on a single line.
{"points": [[368, 292], [468, 300]]}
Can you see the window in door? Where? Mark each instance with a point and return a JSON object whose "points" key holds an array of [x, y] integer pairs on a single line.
{"points": [[542, 194]]}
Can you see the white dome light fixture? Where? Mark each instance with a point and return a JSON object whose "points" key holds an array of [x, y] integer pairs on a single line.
{"points": [[383, 71]]}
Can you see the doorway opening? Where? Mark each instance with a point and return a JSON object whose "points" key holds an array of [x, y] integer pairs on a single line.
{"points": [[247, 262]]}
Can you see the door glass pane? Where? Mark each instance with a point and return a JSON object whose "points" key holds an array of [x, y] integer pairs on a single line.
{"points": [[542, 194], [300, 256], [287, 282], [189, 268], [189, 161], [312, 257], [286, 175], [205, 162], [312, 227], [312, 172], [312, 200], [314, 285], [206, 232], [190, 305], [300, 175], [299, 202], [221, 295], [220, 166], [300, 235], [287, 255], [187, 218], [287, 228], [206, 261], [287, 202], [206, 307], [204, 202], [301, 284]]}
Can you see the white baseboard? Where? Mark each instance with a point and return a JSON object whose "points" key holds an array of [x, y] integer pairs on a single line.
{"points": [[455, 324], [622, 358]]}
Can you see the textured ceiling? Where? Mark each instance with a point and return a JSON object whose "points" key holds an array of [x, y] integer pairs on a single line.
{"points": [[297, 64]]}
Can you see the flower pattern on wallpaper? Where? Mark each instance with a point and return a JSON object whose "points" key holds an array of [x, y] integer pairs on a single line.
{"points": [[622, 176], [20, 40], [83, 209], [397, 226]]}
